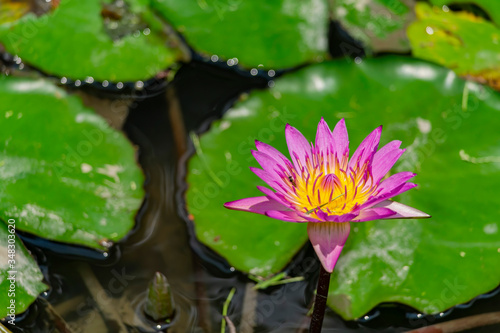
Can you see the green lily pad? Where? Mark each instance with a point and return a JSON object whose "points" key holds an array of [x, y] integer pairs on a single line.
{"points": [[461, 41], [275, 34], [378, 24], [92, 40], [65, 175], [492, 8], [24, 272], [450, 129]]}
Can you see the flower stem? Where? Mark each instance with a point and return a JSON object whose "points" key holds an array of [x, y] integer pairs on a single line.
{"points": [[320, 301]]}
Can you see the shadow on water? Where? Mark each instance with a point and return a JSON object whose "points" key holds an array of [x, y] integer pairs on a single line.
{"points": [[94, 293]]}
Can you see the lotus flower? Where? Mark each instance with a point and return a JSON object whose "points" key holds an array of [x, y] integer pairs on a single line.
{"points": [[325, 189]]}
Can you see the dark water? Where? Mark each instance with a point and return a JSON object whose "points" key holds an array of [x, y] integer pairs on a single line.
{"points": [[86, 284]]}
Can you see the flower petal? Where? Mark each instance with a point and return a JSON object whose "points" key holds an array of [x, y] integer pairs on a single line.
{"points": [[275, 182], [402, 211], [387, 194], [384, 159], [325, 143], [287, 216], [274, 154], [335, 218], [257, 205], [366, 149], [376, 213], [395, 181], [341, 140], [328, 239], [299, 147], [275, 196]]}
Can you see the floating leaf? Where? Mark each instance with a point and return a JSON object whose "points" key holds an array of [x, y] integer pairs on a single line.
{"points": [[89, 39], [450, 130], [275, 34], [65, 174], [378, 24], [492, 8], [461, 41], [24, 272]]}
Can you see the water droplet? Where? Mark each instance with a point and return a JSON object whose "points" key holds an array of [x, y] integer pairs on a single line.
{"points": [[105, 83], [105, 254], [89, 79], [119, 85], [419, 315], [146, 31], [21, 66], [429, 31], [358, 60], [139, 85], [366, 317], [254, 71], [64, 80], [214, 58], [232, 269], [136, 33], [271, 73], [441, 314], [445, 8], [462, 254], [78, 83], [235, 61], [271, 84], [230, 62]]}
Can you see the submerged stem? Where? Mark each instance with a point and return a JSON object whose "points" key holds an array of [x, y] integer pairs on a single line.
{"points": [[320, 301], [225, 308]]}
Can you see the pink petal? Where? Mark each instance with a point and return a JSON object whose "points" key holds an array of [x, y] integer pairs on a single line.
{"points": [[325, 142], [377, 213], [275, 182], [366, 149], [341, 140], [384, 159], [257, 205], [299, 147], [270, 166], [387, 194], [267, 163], [275, 196], [287, 215], [336, 218], [395, 181], [273, 153], [402, 211], [328, 239]]}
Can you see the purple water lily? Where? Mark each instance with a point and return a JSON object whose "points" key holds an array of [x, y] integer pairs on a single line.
{"points": [[326, 189]]}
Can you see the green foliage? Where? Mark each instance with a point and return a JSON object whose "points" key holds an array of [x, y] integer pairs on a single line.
{"points": [[492, 8], [450, 129], [378, 24], [65, 174], [458, 40], [273, 34], [75, 40], [26, 276]]}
